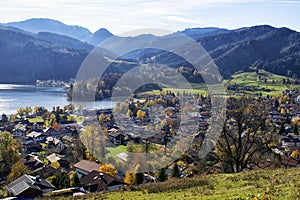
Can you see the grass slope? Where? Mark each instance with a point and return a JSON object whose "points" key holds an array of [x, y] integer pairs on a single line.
{"points": [[252, 79], [280, 184], [273, 82]]}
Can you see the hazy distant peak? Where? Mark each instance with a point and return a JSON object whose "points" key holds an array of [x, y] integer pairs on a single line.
{"points": [[103, 30], [36, 25]]}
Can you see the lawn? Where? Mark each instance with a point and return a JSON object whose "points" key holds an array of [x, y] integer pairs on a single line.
{"points": [[274, 82], [36, 119], [114, 151], [279, 184]]}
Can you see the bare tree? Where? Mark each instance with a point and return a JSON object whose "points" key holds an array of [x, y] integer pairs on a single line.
{"points": [[246, 134]]}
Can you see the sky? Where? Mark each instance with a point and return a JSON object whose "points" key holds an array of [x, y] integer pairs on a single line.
{"points": [[120, 16]]}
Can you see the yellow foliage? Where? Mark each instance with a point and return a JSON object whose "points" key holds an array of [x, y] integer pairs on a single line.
{"points": [[108, 169], [55, 165], [101, 117], [18, 169], [140, 114], [169, 112], [129, 113], [295, 154], [181, 163], [129, 178], [295, 120], [282, 111]]}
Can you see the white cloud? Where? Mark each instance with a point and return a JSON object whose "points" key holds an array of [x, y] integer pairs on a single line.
{"points": [[288, 2], [181, 19]]}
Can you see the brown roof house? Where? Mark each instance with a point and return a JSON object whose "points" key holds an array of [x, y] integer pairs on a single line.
{"points": [[29, 186], [97, 181], [83, 167]]}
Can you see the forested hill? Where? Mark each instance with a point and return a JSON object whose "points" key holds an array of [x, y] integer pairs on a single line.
{"points": [[25, 58], [274, 49], [42, 51]]}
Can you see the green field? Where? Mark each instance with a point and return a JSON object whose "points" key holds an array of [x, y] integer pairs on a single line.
{"points": [[273, 82], [280, 184], [36, 119], [114, 151], [246, 79]]}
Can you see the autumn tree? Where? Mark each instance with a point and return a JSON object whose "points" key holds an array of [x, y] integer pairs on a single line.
{"points": [[245, 136], [295, 154], [101, 117], [55, 165], [8, 153], [108, 169], [94, 140], [52, 119], [71, 107], [129, 113], [129, 178], [140, 114], [18, 169]]}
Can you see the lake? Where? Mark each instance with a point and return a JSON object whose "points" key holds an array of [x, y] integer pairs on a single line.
{"points": [[13, 97]]}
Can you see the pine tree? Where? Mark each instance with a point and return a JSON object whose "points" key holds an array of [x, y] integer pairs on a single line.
{"points": [[61, 181], [162, 176], [282, 129], [295, 130], [175, 170], [75, 181], [138, 175]]}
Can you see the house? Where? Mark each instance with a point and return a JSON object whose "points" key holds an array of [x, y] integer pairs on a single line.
{"points": [[19, 130], [33, 162], [36, 126], [51, 132], [118, 138], [29, 186], [84, 167], [97, 181], [46, 171], [37, 136], [54, 143], [33, 147], [134, 137], [53, 158], [290, 141]]}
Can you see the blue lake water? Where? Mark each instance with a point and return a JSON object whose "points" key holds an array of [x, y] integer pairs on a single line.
{"points": [[13, 97]]}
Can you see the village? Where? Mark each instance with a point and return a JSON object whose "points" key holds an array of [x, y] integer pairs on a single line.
{"points": [[57, 161]]}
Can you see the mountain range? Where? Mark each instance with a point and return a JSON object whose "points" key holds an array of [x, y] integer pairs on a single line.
{"points": [[48, 49]]}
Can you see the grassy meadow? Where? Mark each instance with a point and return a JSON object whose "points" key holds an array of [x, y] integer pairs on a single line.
{"points": [[280, 184]]}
